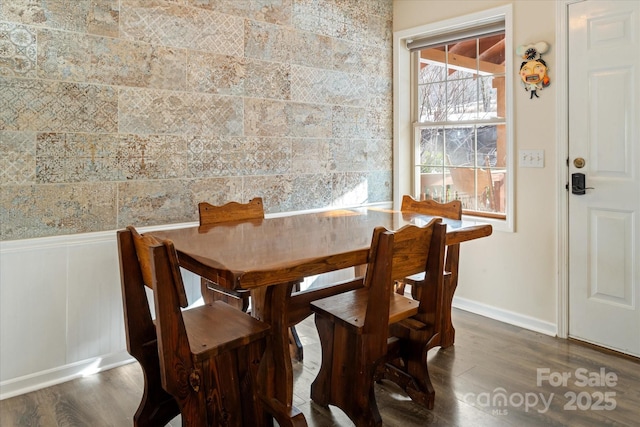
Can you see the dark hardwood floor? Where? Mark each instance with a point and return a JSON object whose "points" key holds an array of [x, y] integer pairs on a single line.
{"points": [[489, 378]]}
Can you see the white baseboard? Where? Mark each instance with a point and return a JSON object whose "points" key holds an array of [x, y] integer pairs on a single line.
{"points": [[58, 375], [506, 316]]}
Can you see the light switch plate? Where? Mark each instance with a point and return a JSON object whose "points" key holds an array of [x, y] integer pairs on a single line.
{"points": [[531, 158]]}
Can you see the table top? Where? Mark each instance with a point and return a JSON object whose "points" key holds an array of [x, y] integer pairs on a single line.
{"points": [[254, 253]]}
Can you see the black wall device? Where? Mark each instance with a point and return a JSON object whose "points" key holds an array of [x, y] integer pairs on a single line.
{"points": [[578, 185]]}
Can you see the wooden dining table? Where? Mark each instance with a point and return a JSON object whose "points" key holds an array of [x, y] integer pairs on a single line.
{"points": [[270, 256]]}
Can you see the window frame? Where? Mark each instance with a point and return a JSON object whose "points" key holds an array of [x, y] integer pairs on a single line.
{"points": [[405, 106]]}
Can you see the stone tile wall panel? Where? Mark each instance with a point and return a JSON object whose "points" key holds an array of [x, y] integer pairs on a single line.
{"points": [[238, 156], [274, 11], [270, 42], [277, 118], [218, 191], [79, 157], [118, 112], [318, 86], [362, 59], [219, 74], [40, 210], [152, 202], [17, 158], [310, 155], [275, 190], [99, 17], [168, 24], [45, 105], [268, 80], [172, 112], [18, 50], [81, 58]]}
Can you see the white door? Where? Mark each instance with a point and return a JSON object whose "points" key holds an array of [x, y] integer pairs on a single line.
{"points": [[604, 130]]}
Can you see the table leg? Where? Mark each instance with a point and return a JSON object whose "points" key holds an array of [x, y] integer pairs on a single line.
{"points": [[275, 374], [295, 345], [447, 331]]}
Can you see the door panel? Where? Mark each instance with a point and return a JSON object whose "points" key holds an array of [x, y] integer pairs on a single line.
{"points": [[610, 261], [611, 141], [604, 228]]}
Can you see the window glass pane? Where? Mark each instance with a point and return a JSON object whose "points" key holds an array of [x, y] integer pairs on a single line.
{"points": [[461, 57], [492, 52], [501, 147], [488, 96], [432, 66], [460, 145], [460, 73], [432, 102], [431, 149], [463, 99], [473, 187], [437, 186], [486, 153], [499, 177]]}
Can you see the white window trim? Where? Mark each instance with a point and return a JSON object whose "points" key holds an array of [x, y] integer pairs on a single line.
{"points": [[403, 150]]}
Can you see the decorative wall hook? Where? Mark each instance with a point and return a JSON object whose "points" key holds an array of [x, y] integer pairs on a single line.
{"points": [[533, 71]]}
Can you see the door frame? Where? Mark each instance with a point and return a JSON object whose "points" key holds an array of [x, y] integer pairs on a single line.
{"points": [[562, 154]]}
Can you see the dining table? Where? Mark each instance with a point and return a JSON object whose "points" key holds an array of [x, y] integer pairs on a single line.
{"points": [[271, 256]]}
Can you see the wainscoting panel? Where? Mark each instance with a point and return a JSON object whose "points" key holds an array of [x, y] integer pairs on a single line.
{"points": [[95, 323], [33, 279], [61, 309]]}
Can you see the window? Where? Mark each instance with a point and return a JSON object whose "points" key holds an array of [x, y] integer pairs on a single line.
{"points": [[460, 144]]}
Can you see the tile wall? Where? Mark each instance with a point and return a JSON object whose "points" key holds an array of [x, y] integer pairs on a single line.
{"points": [[117, 112]]}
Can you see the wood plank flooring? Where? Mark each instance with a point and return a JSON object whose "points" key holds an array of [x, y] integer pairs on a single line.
{"points": [[489, 378]]}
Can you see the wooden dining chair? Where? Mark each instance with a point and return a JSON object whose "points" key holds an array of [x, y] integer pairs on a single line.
{"points": [[232, 211], [354, 326], [450, 210], [157, 407], [208, 355]]}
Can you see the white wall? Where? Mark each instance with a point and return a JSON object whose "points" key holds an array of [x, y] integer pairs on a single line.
{"points": [[513, 276]]}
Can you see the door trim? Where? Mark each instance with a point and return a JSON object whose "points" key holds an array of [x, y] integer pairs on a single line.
{"points": [[562, 154]]}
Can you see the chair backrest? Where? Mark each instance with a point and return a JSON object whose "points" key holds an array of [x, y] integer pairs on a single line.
{"points": [[452, 210], [232, 211], [143, 243], [395, 255], [136, 272], [173, 341], [139, 327]]}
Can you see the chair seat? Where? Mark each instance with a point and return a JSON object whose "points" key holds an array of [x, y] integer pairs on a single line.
{"points": [[233, 329], [350, 307]]}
